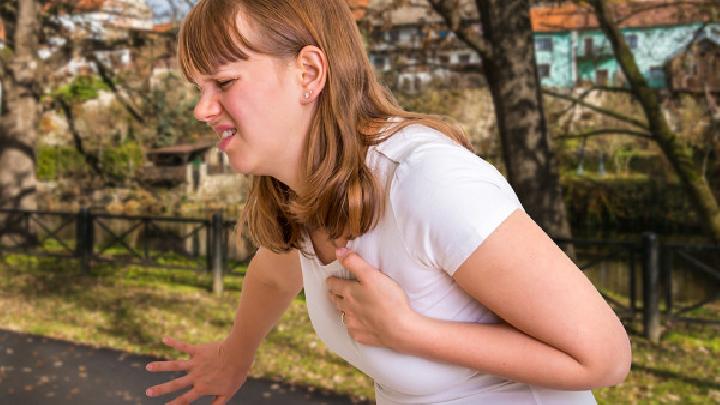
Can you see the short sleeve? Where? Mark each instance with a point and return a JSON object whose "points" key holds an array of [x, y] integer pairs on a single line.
{"points": [[446, 202]]}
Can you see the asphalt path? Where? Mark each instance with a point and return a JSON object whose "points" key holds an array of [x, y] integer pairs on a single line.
{"points": [[35, 370]]}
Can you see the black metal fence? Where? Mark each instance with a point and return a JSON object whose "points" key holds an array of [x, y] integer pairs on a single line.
{"points": [[650, 267], [200, 244]]}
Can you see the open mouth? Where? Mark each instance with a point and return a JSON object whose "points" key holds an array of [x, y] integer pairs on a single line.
{"points": [[227, 136]]}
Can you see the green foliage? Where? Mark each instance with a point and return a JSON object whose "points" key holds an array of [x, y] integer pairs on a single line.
{"points": [[55, 162], [81, 89], [627, 204], [122, 161]]}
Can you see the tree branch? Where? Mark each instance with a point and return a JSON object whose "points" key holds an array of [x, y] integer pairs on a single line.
{"points": [[609, 113], [105, 75], [90, 159], [608, 131], [450, 12]]}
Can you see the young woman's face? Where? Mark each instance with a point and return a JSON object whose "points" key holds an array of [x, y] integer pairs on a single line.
{"points": [[256, 107]]}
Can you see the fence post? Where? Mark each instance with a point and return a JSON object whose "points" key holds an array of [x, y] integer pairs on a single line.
{"points": [[668, 284], [218, 244], [651, 314], [84, 238], [208, 247], [633, 284]]}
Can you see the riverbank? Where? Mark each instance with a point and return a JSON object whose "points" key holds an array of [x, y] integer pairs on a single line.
{"points": [[131, 308]]}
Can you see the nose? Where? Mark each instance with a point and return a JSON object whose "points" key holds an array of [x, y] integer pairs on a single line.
{"points": [[207, 108]]}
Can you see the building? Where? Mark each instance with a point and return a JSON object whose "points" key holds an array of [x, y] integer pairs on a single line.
{"points": [[696, 67], [201, 168], [411, 47], [102, 21], [571, 49]]}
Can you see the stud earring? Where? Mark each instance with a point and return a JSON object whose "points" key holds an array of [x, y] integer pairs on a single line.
{"points": [[306, 95]]}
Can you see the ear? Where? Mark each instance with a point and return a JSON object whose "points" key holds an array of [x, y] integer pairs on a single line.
{"points": [[312, 65]]}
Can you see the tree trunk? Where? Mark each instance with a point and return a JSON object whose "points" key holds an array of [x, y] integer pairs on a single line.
{"points": [[512, 78], [18, 132], [679, 155]]}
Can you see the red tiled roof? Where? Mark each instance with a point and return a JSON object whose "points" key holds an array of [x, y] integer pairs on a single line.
{"points": [[163, 27], [571, 16], [89, 5], [74, 5], [358, 7]]}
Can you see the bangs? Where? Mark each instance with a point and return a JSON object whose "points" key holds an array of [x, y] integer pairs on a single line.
{"points": [[209, 37]]}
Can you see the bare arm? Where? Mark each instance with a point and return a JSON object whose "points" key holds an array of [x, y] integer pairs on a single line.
{"points": [[560, 333], [271, 283], [220, 368]]}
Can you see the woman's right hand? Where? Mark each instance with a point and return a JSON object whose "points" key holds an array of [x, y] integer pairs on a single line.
{"points": [[210, 372]]}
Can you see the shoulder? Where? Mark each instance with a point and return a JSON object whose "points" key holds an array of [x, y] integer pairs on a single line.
{"points": [[414, 139], [445, 199], [428, 159]]}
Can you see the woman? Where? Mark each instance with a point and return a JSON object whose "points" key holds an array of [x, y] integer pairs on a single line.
{"points": [[419, 265]]}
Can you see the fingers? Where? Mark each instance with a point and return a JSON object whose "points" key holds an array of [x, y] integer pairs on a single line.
{"points": [[339, 304], [355, 264], [219, 400], [186, 398], [174, 385], [172, 365], [336, 300], [178, 345], [337, 286]]}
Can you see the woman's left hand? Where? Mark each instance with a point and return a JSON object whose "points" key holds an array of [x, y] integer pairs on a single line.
{"points": [[374, 308]]}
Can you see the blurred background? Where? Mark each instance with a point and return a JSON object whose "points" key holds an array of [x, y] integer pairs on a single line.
{"points": [[118, 212]]}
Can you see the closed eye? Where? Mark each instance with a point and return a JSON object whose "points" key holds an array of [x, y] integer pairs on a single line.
{"points": [[225, 84]]}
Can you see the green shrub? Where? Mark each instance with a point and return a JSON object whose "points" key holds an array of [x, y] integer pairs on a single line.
{"points": [[617, 204], [80, 89], [58, 161], [54, 162], [122, 161]]}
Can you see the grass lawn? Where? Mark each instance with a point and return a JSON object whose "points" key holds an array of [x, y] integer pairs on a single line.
{"points": [[131, 308]]}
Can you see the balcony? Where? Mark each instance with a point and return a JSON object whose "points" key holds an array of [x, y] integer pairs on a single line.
{"points": [[589, 53]]}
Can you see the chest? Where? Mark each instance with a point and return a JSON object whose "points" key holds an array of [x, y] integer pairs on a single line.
{"points": [[324, 247]]}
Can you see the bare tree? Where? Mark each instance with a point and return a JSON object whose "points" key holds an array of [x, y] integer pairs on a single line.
{"points": [[678, 154], [508, 61], [18, 133]]}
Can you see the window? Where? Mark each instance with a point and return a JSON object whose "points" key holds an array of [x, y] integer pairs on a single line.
{"points": [[589, 46], [379, 62], [464, 58], [378, 36], [657, 73], [543, 70], [544, 44], [601, 77], [444, 59], [394, 35], [632, 40]]}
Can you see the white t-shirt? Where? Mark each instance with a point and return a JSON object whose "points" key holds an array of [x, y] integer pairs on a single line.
{"points": [[443, 201]]}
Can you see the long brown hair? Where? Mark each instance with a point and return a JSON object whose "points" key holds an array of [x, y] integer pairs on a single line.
{"points": [[341, 198]]}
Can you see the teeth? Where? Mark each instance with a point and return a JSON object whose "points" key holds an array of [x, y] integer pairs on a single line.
{"points": [[228, 133]]}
